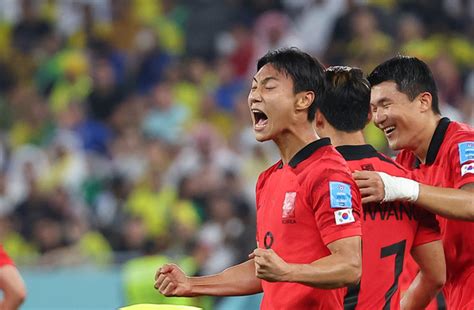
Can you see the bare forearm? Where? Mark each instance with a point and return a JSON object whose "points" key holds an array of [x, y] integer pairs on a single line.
{"points": [[420, 293], [447, 202], [14, 291], [431, 278], [329, 272], [234, 281]]}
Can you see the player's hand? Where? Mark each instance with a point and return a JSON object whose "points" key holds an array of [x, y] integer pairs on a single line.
{"points": [[170, 280], [370, 185], [269, 266]]}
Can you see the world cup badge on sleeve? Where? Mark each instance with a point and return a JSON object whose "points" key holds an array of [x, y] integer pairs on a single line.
{"points": [[466, 151], [340, 194]]}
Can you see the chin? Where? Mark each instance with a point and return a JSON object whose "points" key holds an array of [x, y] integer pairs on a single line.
{"points": [[397, 145], [261, 137]]}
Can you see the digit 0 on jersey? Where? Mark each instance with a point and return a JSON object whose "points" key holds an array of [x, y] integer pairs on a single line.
{"points": [[306, 205]]}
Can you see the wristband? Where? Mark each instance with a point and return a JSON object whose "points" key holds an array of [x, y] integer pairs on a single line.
{"points": [[397, 188]]}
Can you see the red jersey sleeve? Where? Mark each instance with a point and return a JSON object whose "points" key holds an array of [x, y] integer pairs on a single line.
{"points": [[461, 157], [428, 228], [337, 204], [4, 258]]}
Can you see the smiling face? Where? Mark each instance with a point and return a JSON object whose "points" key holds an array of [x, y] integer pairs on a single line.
{"points": [[396, 115], [272, 102]]}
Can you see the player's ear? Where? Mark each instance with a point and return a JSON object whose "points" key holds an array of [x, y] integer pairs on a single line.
{"points": [[370, 116], [305, 99], [319, 119], [425, 100]]}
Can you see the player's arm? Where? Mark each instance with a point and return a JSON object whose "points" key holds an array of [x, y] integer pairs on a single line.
{"points": [[13, 288], [448, 202], [430, 278], [170, 280], [341, 268]]}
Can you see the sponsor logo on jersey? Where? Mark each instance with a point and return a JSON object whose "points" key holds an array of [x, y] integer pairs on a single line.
{"points": [[466, 151], [344, 216], [467, 168], [341, 196], [288, 209]]}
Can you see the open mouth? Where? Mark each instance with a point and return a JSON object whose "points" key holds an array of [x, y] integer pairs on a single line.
{"points": [[388, 130], [260, 118]]}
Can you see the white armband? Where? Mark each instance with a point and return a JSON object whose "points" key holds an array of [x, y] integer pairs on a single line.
{"points": [[397, 188]]}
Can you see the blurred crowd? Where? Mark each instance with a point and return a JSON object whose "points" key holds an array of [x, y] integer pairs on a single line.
{"points": [[124, 126]]}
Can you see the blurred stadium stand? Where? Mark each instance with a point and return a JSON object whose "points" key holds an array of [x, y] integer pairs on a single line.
{"points": [[125, 136]]}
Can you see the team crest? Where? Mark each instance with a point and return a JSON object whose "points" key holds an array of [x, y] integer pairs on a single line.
{"points": [[288, 210]]}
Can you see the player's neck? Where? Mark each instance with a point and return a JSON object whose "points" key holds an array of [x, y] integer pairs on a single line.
{"points": [[291, 142], [339, 138], [424, 137]]}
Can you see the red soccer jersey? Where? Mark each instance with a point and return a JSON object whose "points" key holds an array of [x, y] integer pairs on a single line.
{"points": [[4, 258], [301, 208], [389, 231], [450, 163]]}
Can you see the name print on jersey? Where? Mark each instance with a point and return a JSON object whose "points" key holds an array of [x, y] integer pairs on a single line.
{"points": [[392, 210]]}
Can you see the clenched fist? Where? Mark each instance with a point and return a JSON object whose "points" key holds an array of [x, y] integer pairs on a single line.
{"points": [[269, 266], [170, 280]]}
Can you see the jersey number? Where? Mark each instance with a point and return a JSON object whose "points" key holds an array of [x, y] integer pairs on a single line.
{"points": [[397, 249]]}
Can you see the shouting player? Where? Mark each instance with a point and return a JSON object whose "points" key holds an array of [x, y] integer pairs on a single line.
{"points": [[308, 206]]}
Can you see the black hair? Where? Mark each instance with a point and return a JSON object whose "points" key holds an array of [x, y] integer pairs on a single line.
{"points": [[346, 101], [306, 71], [411, 75]]}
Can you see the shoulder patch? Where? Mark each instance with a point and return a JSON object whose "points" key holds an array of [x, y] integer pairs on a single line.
{"points": [[467, 168], [466, 151], [341, 196], [344, 216]]}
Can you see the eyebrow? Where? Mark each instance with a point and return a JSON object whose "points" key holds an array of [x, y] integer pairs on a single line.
{"points": [[381, 101], [265, 80]]}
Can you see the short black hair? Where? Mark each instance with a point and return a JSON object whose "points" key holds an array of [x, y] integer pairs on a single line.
{"points": [[306, 71], [346, 101], [411, 75]]}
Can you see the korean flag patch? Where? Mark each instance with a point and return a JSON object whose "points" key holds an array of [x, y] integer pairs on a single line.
{"points": [[341, 196], [344, 216], [467, 168], [466, 151]]}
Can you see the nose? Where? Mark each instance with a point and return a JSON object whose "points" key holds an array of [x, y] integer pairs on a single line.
{"points": [[254, 96], [379, 117]]}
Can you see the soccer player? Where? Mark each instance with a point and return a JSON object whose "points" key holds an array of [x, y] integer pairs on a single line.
{"points": [[404, 102], [308, 229], [390, 231], [11, 283]]}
